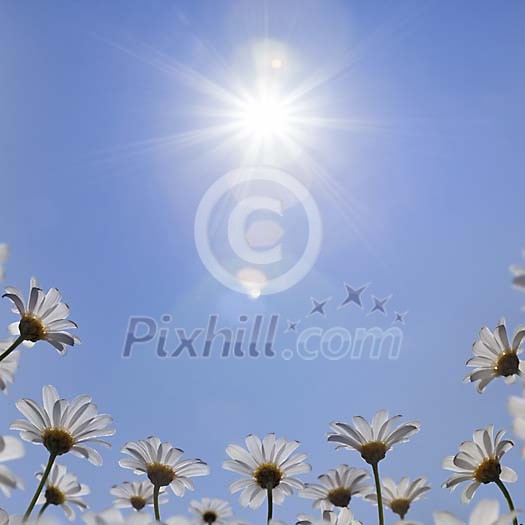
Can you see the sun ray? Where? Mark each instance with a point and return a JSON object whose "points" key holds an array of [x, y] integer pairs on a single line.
{"points": [[263, 117]]}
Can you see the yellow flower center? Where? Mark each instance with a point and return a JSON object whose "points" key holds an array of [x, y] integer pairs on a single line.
{"points": [[268, 475], [57, 441], [508, 364], [488, 471], [209, 517], [373, 452], [400, 507], [340, 497], [54, 496], [160, 475], [32, 328], [137, 502]]}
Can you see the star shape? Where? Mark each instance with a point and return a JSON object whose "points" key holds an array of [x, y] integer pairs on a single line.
{"points": [[292, 326], [379, 304], [318, 307], [353, 295], [400, 318]]}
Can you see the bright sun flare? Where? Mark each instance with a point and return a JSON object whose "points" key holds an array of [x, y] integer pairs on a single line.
{"points": [[265, 118]]}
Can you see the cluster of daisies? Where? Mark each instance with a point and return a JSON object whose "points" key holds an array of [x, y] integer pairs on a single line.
{"points": [[270, 468]]}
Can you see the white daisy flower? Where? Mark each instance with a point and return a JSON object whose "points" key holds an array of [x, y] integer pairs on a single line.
{"points": [[337, 487], [486, 512], [4, 255], [17, 519], [399, 497], [4, 517], [175, 520], [43, 318], [343, 517], [209, 511], [62, 488], [269, 466], [495, 356], [163, 464], [113, 516], [10, 448], [135, 494], [110, 516], [63, 426], [478, 462], [372, 440], [516, 407], [8, 365]]}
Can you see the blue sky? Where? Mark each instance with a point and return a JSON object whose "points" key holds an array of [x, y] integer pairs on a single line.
{"points": [[420, 187]]}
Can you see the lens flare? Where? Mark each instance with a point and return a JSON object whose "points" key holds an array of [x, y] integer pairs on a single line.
{"points": [[276, 63], [253, 281]]}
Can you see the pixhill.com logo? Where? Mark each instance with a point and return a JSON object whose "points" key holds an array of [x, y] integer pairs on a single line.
{"points": [[318, 333], [258, 231]]}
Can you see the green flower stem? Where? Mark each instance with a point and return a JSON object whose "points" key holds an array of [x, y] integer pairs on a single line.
{"points": [[156, 490], [270, 503], [43, 480], [506, 493], [16, 342], [43, 509], [375, 468]]}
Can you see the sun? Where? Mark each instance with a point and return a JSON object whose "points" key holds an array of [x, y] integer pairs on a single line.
{"points": [[265, 117], [268, 109]]}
